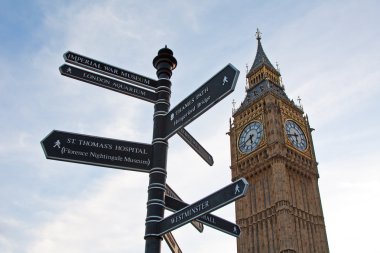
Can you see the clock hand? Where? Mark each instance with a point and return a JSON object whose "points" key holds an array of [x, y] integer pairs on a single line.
{"points": [[249, 139], [296, 137]]}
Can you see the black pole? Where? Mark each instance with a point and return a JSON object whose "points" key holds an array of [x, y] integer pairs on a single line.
{"points": [[164, 62]]}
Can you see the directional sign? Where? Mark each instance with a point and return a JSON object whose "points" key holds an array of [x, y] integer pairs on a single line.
{"points": [[109, 70], [186, 136], [214, 90], [206, 205], [79, 148], [107, 83], [172, 243], [170, 193], [207, 219]]}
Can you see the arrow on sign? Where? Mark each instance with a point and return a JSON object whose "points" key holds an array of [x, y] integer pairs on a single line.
{"points": [[170, 193], [213, 221], [206, 96], [79, 148], [206, 205], [109, 70], [186, 136], [172, 243], [108, 83]]}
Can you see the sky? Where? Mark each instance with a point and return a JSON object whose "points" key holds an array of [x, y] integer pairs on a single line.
{"points": [[328, 54]]}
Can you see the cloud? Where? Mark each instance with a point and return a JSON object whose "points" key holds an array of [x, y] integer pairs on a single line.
{"points": [[105, 217], [348, 188], [332, 60], [12, 225]]}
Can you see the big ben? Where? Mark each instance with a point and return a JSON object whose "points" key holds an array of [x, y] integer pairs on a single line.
{"points": [[272, 147]]}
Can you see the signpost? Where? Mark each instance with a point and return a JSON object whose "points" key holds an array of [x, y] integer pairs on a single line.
{"points": [[104, 68], [152, 159], [164, 62], [186, 136], [202, 99], [79, 148], [207, 219], [206, 205], [108, 83]]}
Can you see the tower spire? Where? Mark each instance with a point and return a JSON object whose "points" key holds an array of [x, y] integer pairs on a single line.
{"points": [[262, 68], [261, 58], [261, 78]]}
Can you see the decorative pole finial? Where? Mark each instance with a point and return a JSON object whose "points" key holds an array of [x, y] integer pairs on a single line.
{"points": [[258, 34]]}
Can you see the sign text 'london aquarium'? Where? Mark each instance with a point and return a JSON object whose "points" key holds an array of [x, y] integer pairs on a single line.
{"points": [[108, 83]]}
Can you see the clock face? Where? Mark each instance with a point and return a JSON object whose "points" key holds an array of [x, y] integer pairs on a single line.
{"points": [[250, 137], [295, 135]]}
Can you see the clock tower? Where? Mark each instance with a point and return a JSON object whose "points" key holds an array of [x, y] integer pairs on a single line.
{"points": [[272, 147]]}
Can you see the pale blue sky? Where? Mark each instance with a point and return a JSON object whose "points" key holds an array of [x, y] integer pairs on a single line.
{"points": [[328, 52]]}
